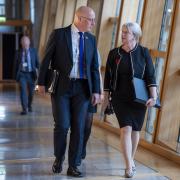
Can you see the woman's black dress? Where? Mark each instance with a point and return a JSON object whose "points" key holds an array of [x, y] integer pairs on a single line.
{"points": [[128, 112]]}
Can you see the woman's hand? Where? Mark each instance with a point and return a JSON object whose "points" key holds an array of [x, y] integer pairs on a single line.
{"points": [[101, 98], [151, 102], [105, 102], [41, 90], [153, 94]]}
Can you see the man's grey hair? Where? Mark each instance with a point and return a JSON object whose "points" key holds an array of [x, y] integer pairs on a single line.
{"points": [[135, 28]]}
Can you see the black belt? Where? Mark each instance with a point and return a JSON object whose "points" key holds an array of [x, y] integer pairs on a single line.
{"points": [[26, 71], [77, 79]]}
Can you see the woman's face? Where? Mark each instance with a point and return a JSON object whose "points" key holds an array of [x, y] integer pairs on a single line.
{"points": [[127, 36]]}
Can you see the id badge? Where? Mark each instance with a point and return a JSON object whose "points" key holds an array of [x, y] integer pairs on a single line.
{"points": [[25, 64]]}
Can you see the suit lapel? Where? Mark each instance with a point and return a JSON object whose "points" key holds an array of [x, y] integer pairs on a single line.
{"points": [[20, 56], [69, 41], [31, 57], [86, 46], [30, 50]]}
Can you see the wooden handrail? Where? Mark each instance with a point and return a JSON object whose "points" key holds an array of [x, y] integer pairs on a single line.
{"points": [[155, 53], [16, 23], [113, 19]]}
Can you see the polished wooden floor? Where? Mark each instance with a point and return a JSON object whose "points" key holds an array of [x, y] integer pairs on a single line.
{"points": [[26, 146]]}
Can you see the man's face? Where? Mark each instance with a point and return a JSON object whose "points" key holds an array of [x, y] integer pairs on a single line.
{"points": [[87, 21], [25, 42]]}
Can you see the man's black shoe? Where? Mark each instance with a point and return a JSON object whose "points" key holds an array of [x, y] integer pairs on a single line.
{"points": [[74, 172], [30, 109], [83, 156], [57, 166], [23, 112]]}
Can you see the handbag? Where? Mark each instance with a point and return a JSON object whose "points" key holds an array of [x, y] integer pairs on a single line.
{"points": [[109, 109], [141, 93], [51, 81]]}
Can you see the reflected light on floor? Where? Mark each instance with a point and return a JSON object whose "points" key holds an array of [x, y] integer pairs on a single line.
{"points": [[2, 172], [4, 140], [2, 112]]}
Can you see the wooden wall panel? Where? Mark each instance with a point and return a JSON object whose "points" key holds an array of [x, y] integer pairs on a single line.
{"points": [[152, 23], [51, 18], [170, 114], [105, 38], [69, 12], [48, 24], [96, 5], [106, 28], [27, 9], [63, 18], [129, 14], [43, 29], [59, 14], [81, 3], [36, 27]]}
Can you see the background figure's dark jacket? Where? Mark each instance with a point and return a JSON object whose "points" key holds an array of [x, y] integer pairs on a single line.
{"points": [[59, 53], [18, 59], [141, 64]]}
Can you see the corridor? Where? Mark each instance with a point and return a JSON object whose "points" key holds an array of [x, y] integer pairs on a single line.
{"points": [[26, 146]]}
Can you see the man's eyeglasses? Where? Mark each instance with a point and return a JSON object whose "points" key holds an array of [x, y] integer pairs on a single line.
{"points": [[89, 19]]}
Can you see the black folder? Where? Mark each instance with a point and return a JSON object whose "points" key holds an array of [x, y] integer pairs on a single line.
{"points": [[141, 92]]}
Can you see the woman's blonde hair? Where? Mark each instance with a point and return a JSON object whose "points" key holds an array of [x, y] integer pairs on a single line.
{"points": [[135, 28]]}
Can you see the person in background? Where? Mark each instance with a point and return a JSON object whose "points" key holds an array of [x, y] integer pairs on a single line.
{"points": [[124, 62], [26, 68], [72, 51], [89, 116]]}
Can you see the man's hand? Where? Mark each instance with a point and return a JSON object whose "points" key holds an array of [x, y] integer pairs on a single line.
{"points": [[95, 99], [41, 90]]}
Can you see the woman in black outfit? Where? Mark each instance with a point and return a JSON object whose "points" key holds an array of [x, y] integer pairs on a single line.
{"points": [[124, 62]]}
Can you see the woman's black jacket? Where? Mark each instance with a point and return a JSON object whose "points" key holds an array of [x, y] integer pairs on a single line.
{"points": [[141, 63]]}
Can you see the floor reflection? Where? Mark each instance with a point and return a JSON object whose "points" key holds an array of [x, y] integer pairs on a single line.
{"points": [[26, 146]]}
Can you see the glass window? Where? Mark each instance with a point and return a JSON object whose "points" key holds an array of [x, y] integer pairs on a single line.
{"points": [[2, 10], [114, 32], [151, 116], [169, 136], [139, 12], [166, 25], [32, 11], [2, 1], [131, 13]]}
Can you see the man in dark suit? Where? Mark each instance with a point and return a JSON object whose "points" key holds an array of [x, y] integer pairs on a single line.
{"points": [[72, 51], [26, 66]]}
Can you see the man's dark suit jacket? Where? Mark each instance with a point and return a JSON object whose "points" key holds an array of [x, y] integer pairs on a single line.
{"points": [[59, 53], [18, 59]]}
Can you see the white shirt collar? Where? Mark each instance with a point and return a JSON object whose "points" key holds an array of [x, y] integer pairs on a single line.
{"points": [[75, 29]]}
